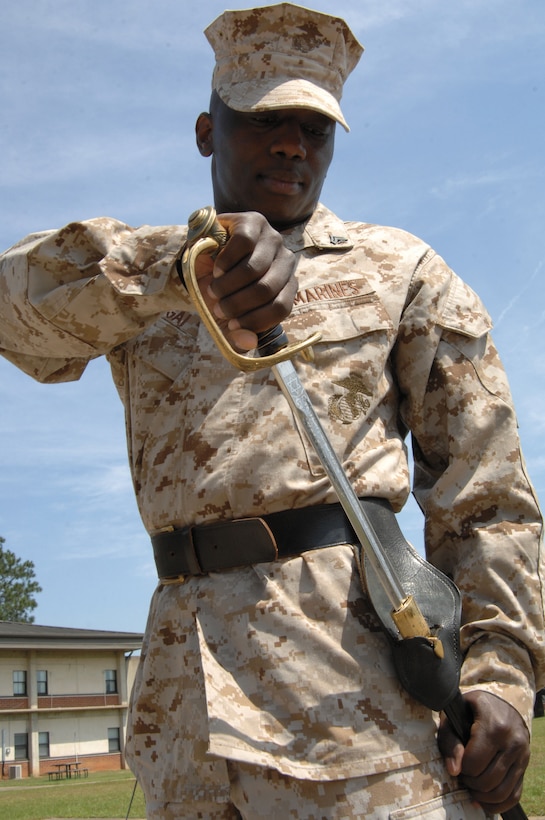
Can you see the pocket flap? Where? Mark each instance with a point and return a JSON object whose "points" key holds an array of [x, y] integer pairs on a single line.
{"points": [[339, 319]]}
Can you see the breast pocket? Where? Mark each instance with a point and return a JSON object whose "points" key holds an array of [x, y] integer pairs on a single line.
{"points": [[167, 347], [349, 375], [157, 368], [339, 320]]}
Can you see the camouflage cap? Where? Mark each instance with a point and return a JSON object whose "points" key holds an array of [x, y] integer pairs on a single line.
{"points": [[282, 56]]}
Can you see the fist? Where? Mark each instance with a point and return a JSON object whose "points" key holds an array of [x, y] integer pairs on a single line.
{"points": [[250, 284]]}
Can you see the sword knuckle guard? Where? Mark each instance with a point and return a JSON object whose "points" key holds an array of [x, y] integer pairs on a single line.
{"points": [[206, 235]]}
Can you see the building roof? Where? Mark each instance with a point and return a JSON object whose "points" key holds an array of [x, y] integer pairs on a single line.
{"points": [[14, 635]]}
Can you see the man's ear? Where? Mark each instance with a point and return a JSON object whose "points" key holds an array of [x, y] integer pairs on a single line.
{"points": [[203, 132]]}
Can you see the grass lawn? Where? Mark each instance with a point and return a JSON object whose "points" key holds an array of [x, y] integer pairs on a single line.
{"points": [[108, 794], [533, 796], [103, 794]]}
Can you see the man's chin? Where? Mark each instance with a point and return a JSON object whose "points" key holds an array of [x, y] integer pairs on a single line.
{"points": [[282, 218]]}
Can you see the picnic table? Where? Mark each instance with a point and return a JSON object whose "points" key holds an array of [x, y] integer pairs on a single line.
{"points": [[67, 769]]}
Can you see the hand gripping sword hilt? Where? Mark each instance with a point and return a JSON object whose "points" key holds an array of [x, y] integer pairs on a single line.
{"points": [[206, 235]]}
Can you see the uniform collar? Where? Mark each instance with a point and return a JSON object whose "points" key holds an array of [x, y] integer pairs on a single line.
{"points": [[323, 231]]}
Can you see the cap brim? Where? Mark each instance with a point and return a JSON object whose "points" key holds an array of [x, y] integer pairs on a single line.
{"points": [[252, 95]]}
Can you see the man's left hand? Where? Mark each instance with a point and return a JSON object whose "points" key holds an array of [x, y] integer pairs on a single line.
{"points": [[492, 764]]}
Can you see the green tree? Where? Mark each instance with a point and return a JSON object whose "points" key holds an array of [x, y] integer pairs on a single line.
{"points": [[18, 586]]}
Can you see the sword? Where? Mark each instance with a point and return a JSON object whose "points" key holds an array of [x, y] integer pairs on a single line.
{"points": [[426, 659]]}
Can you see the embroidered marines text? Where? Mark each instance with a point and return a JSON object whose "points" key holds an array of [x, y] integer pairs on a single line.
{"points": [[331, 290]]}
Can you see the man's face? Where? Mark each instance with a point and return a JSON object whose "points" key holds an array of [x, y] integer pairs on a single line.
{"points": [[273, 162]]}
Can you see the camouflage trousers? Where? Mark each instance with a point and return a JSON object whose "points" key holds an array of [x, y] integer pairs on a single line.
{"points": [[255, 793]]}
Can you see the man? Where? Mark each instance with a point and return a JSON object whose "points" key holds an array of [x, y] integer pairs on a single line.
{"points": [[266, 687]]}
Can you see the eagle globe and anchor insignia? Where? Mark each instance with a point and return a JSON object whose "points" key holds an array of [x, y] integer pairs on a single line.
{"points": [[352, 403]]}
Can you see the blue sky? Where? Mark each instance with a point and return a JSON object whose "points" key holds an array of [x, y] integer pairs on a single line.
{"points": [[99, 99]]}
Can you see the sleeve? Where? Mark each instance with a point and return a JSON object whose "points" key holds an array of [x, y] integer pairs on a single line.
{"points": [[69, 295], [483, 526]]}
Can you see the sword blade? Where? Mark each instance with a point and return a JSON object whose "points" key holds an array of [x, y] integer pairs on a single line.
{"points": [[297, 397]]}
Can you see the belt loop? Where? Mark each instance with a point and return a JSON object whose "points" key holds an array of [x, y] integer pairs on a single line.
{"points": [[271, 536], [191, 554]]}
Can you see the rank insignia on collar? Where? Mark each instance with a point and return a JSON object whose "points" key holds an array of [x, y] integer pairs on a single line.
{"points": [[338, 240]]}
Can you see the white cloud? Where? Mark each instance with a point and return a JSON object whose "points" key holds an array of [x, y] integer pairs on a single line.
{"points": [[485, 178]]}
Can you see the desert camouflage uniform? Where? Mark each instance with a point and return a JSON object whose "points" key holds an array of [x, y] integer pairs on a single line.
{"points": [[284, 664]]}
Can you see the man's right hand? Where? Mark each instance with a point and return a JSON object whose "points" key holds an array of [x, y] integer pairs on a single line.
{"points": [[250, 287]]}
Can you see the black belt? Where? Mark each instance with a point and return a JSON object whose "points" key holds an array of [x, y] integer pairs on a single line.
{"points": [[241, 542]]}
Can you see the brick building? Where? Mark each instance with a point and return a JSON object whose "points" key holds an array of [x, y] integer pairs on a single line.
{"points": [[63, 697]]}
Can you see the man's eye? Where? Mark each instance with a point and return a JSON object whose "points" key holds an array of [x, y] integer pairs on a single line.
{"points": [[264, 119], [316, 130]]}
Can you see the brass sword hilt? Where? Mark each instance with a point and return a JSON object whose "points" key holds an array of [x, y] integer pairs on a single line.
{"points": [[206, 235]]}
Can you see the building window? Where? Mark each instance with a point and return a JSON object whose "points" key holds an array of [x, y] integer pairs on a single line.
{"points": [[41, 682], [114, 740], [43, 740], [19, 684], [110, 676], [20, 745]]}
